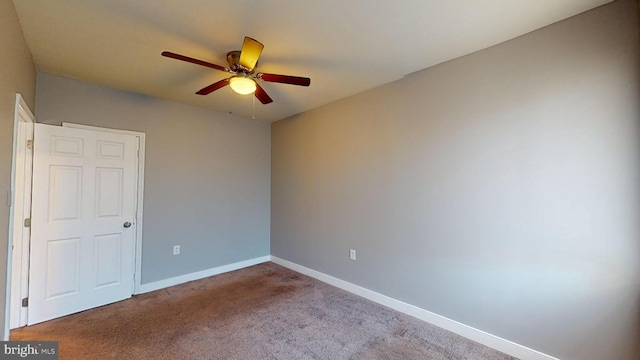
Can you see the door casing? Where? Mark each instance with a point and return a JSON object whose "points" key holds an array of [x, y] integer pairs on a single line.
{"points": [[19, 198]]}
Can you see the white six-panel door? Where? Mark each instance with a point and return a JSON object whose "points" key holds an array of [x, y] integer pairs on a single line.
{"points": [[83, 220]]}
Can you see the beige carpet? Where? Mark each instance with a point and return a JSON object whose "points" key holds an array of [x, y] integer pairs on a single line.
{"points": [[261, 312]]}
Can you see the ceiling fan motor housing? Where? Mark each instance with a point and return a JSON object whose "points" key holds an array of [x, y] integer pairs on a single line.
{"points": [[233, 58]]}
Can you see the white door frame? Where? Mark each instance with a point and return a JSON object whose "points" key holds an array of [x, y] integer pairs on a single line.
{"points": [[20, 204], [139, 207]]}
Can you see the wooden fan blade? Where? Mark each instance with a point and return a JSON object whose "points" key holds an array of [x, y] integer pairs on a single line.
{"points": [[193, 61], [262, 95], [285, 79], [213, 87], [251, 50]]}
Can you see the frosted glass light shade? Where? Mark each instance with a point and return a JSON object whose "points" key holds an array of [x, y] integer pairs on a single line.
{"points": [[242, 85]]}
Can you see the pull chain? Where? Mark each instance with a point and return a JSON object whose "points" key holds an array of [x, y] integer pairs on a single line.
{"points": [[230, 99], [254, 108]]}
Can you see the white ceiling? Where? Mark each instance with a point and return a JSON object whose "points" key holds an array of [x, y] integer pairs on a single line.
{"points": [[344, 46]]}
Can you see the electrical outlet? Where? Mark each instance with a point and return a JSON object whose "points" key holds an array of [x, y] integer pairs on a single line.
{"points": [[352, 254], [176, 250]]}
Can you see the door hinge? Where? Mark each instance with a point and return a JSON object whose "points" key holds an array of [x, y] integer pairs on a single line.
{"points": [[25, 302], [29, 144], [27, 222]]}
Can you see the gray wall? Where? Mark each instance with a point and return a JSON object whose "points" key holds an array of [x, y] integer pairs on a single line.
{"points": [[207, 174], [17, 75], [500, 189]]}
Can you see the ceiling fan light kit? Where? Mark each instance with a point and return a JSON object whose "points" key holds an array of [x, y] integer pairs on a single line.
{"points": [[242, 65], [242, 85]]}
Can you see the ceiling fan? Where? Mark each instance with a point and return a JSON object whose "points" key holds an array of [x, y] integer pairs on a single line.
{"points": [[242, 65]]}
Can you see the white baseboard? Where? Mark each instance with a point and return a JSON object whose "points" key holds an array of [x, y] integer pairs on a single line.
{"points": [[157, 285], [484, 338]]}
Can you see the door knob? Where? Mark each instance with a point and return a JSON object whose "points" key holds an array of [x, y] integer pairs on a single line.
{"points": [[126, 224]]}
